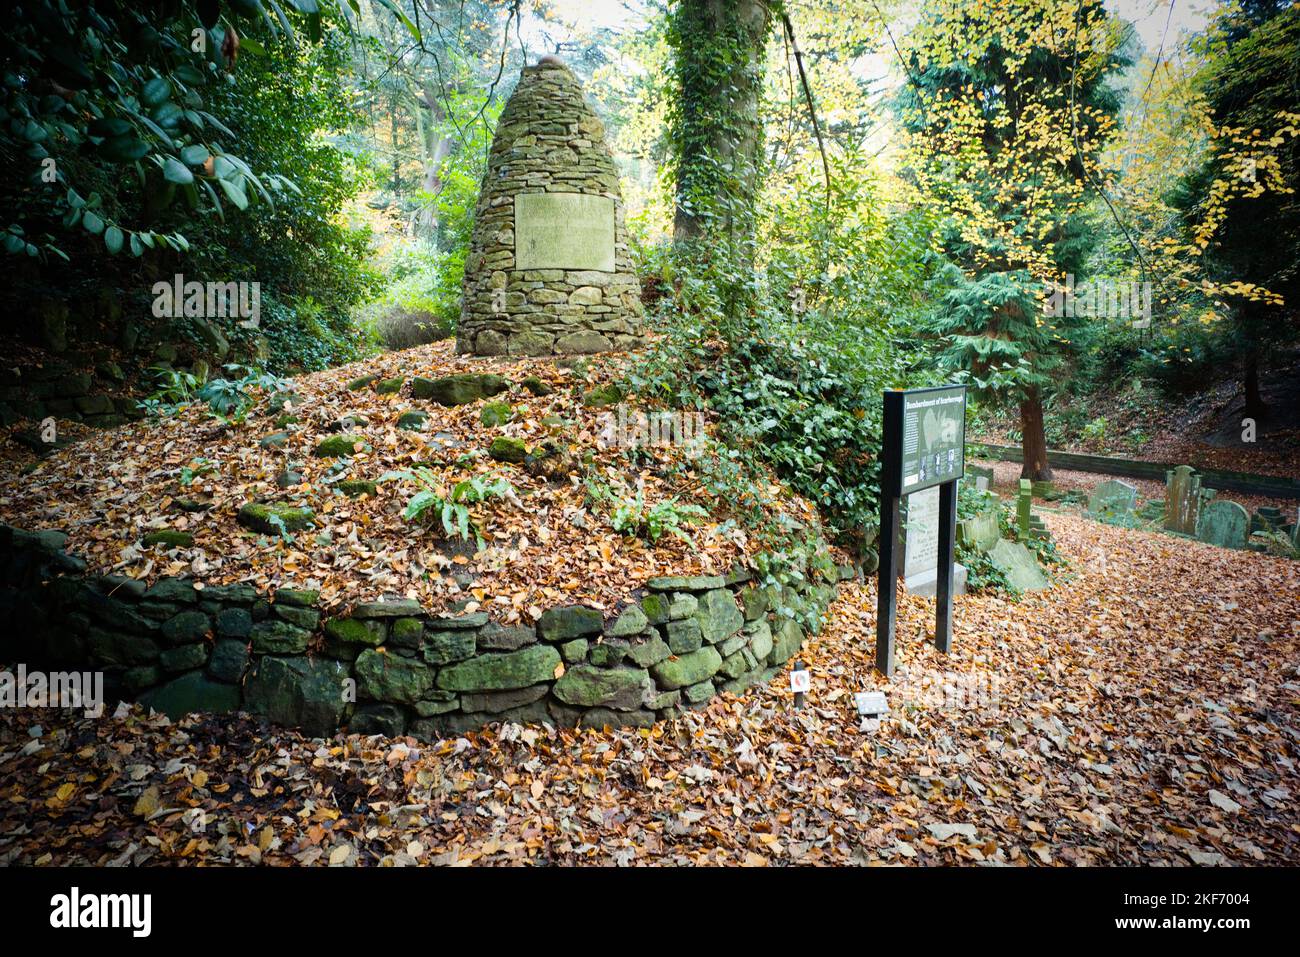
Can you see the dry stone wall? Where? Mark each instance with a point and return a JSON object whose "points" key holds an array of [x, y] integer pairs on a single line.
{"points": [[548, 270], [388, 666]]}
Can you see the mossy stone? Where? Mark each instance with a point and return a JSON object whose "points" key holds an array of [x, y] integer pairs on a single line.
{"points": [[505, 449], [262, 517], [304, 693], [338, 446], [686, 670], [603, 395], [186, 627], [389, 386], [536, 386], [228, 660], [587, 686], [354, 488], [496, 413], [570, 621], [368, 633], [169, 538], [501, 671], [184, 658], [407, 632], [277, 637], [413, 421], [298, 597], [656, 608], [392, 678], [459, 389]]}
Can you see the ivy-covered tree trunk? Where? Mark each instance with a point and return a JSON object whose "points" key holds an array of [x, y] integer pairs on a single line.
{"points": [[1033, 438], [720, 47]]}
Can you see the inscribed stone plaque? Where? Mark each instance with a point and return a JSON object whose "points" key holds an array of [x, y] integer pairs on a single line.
{"points": [[921, 553], [921, 547], [564, 231]]}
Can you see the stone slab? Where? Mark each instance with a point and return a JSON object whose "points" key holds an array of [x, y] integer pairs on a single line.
{"points": [[564, 231], [1019, 565]]}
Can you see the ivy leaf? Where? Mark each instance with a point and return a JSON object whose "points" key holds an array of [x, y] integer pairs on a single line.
{"points": [[174, 171]]}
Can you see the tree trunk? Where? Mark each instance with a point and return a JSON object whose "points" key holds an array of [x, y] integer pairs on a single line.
{"points": [[1034, 439], [720, 50], [437, 147]]}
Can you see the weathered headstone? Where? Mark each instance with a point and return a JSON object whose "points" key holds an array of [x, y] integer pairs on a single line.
{"points": [[548, 270], [1112, 499], [1024, 506], [982, 477], [1029, 524], [1019, 566], [979, 532], [921, 546], [1224, 523], [1182, 500], [1267, 518]]}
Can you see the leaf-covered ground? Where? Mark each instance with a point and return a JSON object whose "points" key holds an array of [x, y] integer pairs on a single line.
{"points": [[1144, 711], [546, 544]]}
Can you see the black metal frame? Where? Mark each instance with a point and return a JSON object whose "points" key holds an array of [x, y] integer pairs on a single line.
{"points": [[891, 480]]}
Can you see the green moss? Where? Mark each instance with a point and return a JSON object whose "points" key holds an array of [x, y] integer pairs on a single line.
{"points": [[354, 631], [536, 386], [362, 382], [338, 446], [353, 488], [496, 413], [412, 421], [258, 517], [602, 396], [505, 449], [298, 597], [389, 386], [170, 538]]}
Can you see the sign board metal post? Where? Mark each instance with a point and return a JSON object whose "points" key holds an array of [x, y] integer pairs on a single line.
{"points": [[924, 446]]}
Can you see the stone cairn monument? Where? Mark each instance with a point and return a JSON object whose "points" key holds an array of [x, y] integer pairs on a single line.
{"points": [[548, 269]]}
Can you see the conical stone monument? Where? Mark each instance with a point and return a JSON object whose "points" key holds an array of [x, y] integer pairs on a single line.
{"points": [[548, 269]]}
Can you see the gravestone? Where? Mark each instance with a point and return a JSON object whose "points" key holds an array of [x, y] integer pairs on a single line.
{"points": [[921, 546], [548, 270], [1029, 524], [982, 477], [1112, 499], [979, 532], [1224, 523], [1182, 500], [1267, 518], [1018, 564]]}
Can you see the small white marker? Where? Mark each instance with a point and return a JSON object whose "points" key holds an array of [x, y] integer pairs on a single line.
{"points": [[871, 704]]}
